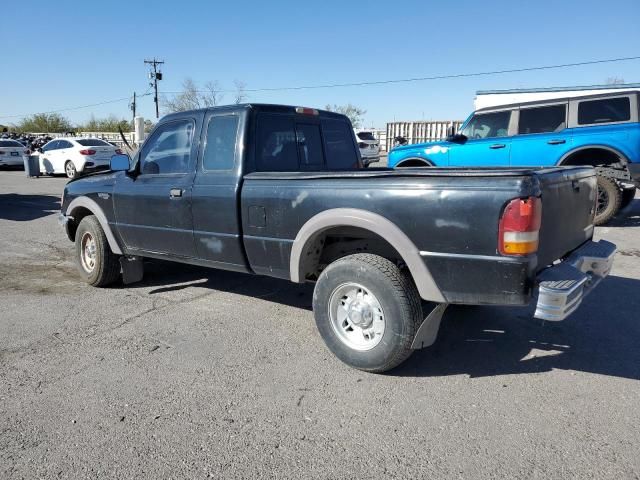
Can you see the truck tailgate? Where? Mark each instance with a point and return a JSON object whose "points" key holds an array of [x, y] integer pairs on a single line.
{"points": [[568, 206]]}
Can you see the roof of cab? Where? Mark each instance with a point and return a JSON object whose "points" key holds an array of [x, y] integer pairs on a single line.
{"points": [[268, 107]]}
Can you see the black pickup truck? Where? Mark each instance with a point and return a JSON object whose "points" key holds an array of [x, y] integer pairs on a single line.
{"points": [[279, 191]]}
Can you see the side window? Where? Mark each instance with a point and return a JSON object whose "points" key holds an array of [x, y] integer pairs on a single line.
{"points": [[604, 111], [276, 149], [309, 145], [51, 146], [169, 149], [488, 125], [220, 149], [341, 151], [542, 119], [64, 144]]}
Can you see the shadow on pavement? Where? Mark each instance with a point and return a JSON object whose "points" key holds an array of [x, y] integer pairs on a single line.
{"points": [[628, 216], [23, 208], [601, 337], [182, 276]]}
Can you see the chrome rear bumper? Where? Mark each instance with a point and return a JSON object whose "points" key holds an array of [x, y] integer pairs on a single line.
{"points": [[562, 287]]}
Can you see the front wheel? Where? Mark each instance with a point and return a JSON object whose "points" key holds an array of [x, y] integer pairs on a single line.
{"points": [[70, 169], [367, 311], [609, 200], [97, 264]]}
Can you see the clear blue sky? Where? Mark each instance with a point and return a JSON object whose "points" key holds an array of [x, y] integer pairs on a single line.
{"points": [[58, 54]]}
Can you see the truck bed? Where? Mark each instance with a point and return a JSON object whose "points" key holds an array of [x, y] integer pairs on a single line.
{"points": [[452, 218]]}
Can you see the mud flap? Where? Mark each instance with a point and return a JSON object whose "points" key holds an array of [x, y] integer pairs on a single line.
{"points": [[132, 269], [428, 331]]}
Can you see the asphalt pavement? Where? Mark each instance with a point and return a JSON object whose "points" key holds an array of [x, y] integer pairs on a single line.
{"points": [[197, 373]]}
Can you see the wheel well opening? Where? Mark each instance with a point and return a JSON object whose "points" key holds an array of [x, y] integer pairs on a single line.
{"points": [[594, 157], [78, 214], [413, 162], [337, 242]]}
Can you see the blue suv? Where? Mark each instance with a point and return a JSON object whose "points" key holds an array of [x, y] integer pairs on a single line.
{"points": [[599, 130]]}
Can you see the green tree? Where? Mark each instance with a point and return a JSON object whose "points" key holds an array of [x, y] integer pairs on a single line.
{"points": [[355, 114], [108, 124], [45, 123]]}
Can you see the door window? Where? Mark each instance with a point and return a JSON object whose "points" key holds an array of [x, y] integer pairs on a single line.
{"points": [[488, 125], [542, 119], [220, 149], [169, 149], [608, 110], [64, 144], [51, 146]]}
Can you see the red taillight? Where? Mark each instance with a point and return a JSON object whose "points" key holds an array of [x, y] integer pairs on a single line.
{"points": [[306, 111], [118, 151], [520, 227], [87, 152]]}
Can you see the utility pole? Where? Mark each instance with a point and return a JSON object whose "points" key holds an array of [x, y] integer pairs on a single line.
{"points": [[155, 76], [133, 106]]}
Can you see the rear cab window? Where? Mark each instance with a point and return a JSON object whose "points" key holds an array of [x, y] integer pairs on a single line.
{"points": [[10, 143], [287, 143]]}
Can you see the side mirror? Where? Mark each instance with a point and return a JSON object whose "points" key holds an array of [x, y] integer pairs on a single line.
{"points": [[119, 163], [450, 131]]}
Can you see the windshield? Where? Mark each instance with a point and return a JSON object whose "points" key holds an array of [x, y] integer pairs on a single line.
{"points": [[10, 143]]}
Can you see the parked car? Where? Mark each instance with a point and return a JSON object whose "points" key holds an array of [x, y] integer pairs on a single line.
{"points": [[369, 147], [12, 153], [280, 191], [73, 156], [600, 130]]}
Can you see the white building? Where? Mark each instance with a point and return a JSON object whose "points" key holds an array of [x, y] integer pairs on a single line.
{"points": [[493, 98]]}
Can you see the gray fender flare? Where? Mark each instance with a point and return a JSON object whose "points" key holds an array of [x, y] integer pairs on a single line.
{"points": [[95, 209], [352, 217]]}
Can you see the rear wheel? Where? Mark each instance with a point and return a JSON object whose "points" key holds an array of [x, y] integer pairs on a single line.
{"points": [[609, 200], [70, 169], [367, 311], [97, 264]]}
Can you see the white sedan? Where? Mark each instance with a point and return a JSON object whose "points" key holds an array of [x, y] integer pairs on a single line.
{"points": [[12, 153], [73, 156]]}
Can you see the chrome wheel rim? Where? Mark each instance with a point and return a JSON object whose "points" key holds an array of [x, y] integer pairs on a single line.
{"points": [[88, 252], [70, 170], [356, 316]]}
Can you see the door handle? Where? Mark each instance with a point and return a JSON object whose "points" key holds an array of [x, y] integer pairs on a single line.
{"points": [[175, 192], [495, 146], [556, 141]]}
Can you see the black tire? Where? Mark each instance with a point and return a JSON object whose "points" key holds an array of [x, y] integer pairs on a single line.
{"points": [[628, 194], [609, 200], [399, 301], [106, 265], [70, 169]]}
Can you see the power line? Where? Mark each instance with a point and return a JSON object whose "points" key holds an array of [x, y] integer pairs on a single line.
{"points": [[356, 84], [155, 75], [435, 77], [106, 102]]}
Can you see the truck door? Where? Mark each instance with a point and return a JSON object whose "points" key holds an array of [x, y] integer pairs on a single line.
{"points": [[216, 191], [541, 139], [153, 210], [488, 142]]}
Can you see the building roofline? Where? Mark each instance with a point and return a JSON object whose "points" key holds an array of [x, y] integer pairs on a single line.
{"points": [[619, 86]]}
